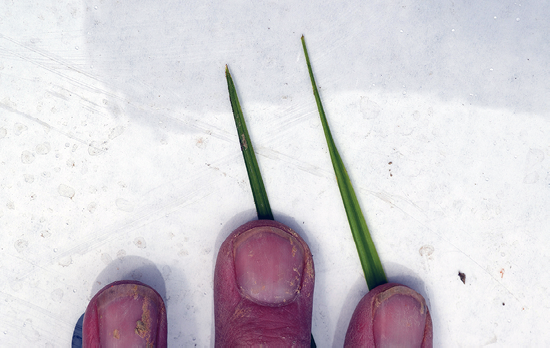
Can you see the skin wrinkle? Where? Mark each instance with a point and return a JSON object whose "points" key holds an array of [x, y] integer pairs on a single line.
{"points": [[250, 334], [240, 312]]}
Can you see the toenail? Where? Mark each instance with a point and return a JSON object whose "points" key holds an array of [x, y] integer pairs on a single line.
{"points": [[399, 318], [126, 315], [269, 264]]}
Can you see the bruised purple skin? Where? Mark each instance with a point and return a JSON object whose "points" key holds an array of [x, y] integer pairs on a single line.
{"points": [[390, 315], [125, 314], [263, 288]]}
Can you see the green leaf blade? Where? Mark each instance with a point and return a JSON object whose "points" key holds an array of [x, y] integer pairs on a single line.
{"points": [[261, 201], [370, 262]]}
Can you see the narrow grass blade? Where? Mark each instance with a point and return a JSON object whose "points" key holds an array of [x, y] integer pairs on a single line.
{"points": [[255, 177], [372, 267]]}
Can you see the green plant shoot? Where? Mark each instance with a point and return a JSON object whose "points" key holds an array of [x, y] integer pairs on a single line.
{"points": [[372, 267]]}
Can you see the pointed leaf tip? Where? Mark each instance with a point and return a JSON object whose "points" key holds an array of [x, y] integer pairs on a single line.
{"points": [[254, 176]]}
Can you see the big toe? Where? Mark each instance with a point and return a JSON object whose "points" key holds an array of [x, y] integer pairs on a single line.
{"points": [[390, 315], [263, 288], [125, 314]]}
